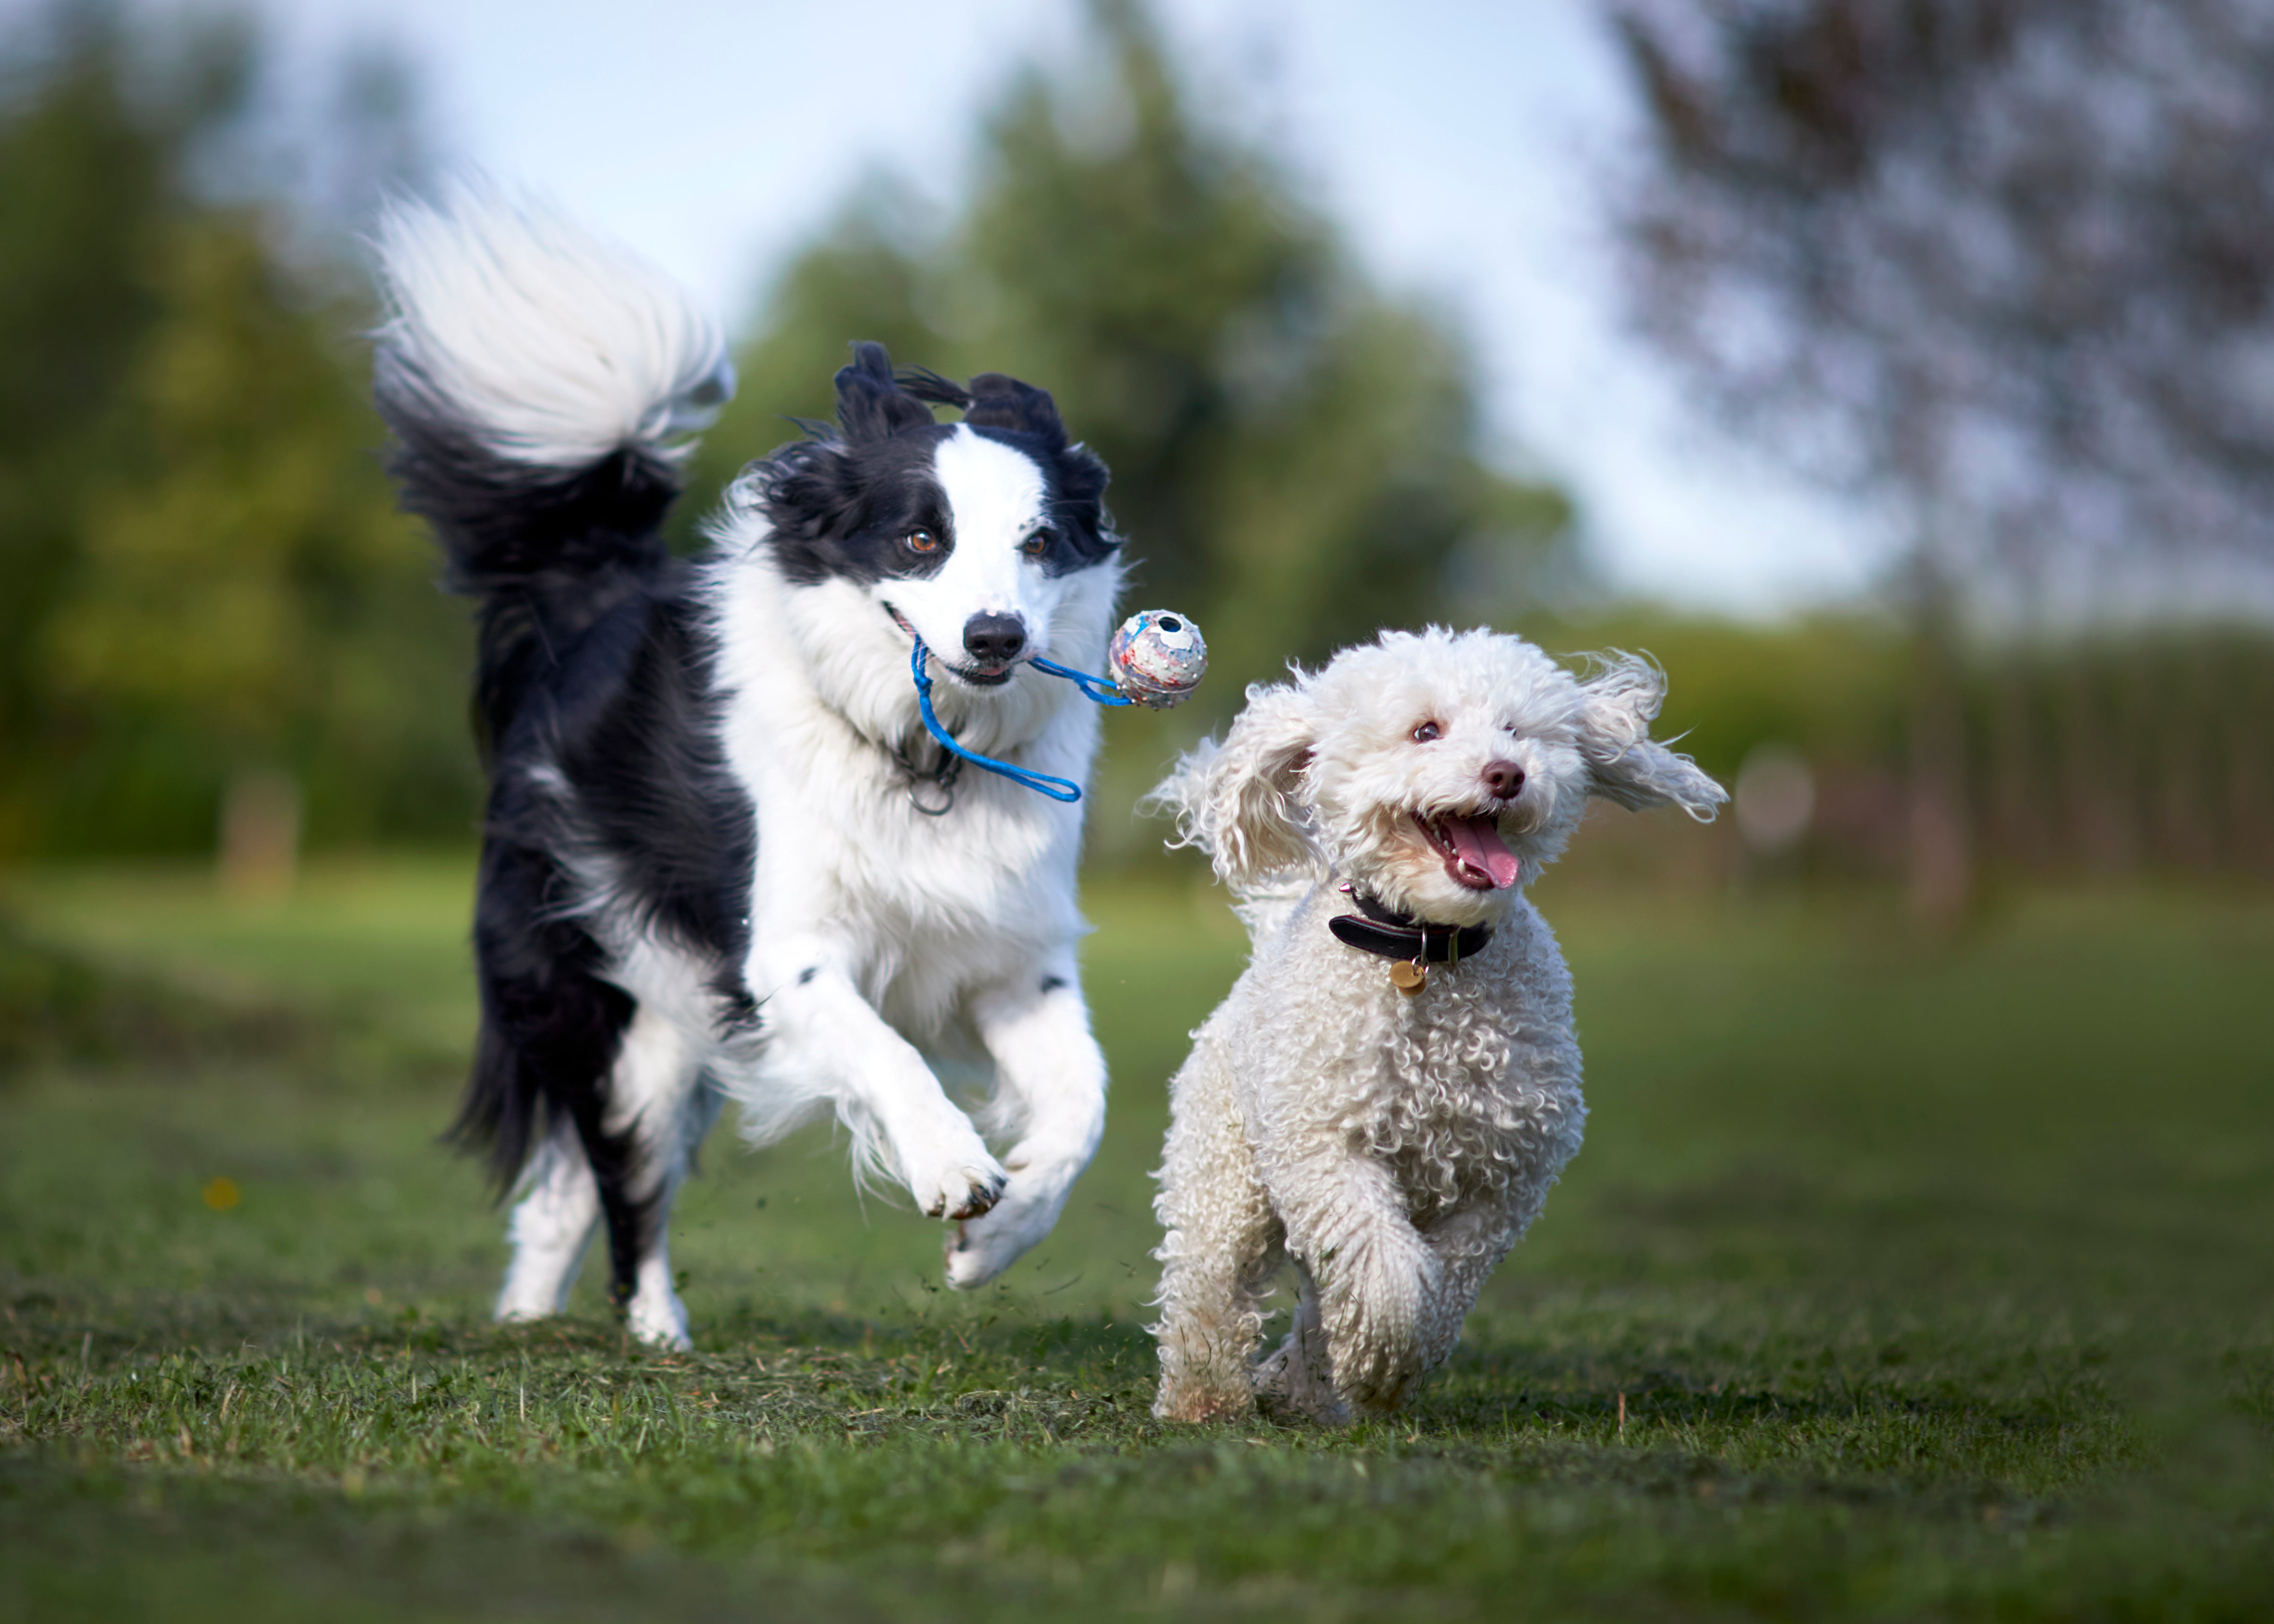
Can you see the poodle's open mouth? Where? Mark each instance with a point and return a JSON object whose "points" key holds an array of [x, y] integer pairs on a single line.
{"points": [[1474, 854]]}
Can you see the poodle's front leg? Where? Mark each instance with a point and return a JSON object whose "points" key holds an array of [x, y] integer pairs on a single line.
{"points": [[1222, 1244], [820, 1038], [1469, 1245], [1050, 1100], [1376, 1275], [1298, 1376]]}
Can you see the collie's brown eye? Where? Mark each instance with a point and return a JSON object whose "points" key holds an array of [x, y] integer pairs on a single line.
{"points": [[1427, 732], [1036, 543], [923, 541]]}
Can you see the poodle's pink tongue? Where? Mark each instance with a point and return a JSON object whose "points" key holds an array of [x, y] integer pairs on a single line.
{"points": [[1478, 841]]}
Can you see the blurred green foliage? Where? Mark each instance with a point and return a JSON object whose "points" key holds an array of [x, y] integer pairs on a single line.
{"points": [[1296, 453], [207, 576], [206, 581]]}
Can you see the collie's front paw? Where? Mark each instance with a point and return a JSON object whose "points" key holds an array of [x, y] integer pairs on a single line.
{"points": [[960, 1184], [980, 1249], [984, 1245], [969, 1262]]}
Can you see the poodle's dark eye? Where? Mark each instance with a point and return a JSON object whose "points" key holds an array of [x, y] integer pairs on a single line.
{"points": [[1427, 732], [1036, 545], [921, 541]]}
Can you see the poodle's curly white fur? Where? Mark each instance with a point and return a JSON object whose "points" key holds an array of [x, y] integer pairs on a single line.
{"points": [[1393, 1147]]}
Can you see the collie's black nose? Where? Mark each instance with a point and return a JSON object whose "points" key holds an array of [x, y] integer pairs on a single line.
{"points": [[994, 639]]}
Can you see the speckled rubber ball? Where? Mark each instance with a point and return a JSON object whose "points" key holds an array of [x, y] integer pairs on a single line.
{"points": [[1157, 658]]}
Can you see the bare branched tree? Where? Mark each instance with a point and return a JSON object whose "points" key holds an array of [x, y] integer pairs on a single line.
{"points": [[2012, 260]]}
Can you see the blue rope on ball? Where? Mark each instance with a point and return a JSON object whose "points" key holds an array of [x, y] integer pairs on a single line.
{"points": [[1056, 789], [1159, 659]]}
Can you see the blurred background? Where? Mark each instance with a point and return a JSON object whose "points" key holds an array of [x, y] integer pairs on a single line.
{"points": [[1900, 373]]}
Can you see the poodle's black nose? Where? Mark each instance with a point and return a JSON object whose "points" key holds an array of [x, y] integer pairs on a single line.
{"points": [[994, 639], [1504, 778]]}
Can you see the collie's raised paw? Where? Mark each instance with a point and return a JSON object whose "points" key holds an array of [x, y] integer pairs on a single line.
{"points": [[979, 1198], [980, 1250], [948, 1170], [962, 1192]]}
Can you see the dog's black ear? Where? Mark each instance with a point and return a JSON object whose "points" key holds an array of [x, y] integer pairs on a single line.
{"points": [[809, 489], [870, 403], [926, 385], [1001, 403], [1082, 479], [993, 400]]}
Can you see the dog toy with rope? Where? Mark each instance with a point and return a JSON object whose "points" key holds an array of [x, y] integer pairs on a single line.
{"points": [[1157, 659]]}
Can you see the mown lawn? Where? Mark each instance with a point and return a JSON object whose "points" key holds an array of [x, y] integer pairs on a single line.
{"points": [[1894, 1282]]}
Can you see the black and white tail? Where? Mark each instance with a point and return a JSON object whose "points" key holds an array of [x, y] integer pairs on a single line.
{"points": [[540, 381]]}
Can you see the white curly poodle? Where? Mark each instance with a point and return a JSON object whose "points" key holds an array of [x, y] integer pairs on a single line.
{"points": [[1393, 1085]]}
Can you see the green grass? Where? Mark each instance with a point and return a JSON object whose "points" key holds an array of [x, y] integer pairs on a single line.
{"points": [[1928, 1282]]}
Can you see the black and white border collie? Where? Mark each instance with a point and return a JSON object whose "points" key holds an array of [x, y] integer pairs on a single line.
{"points": [[716, 865]]}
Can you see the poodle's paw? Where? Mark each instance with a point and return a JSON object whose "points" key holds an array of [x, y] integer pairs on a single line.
{"points": [[1289, 1385], [1195, 1404], [1375, 1330], [1378, 1378]]}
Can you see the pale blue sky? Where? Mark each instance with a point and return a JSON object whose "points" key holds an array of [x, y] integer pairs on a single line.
{"points": [[1457, 144]]}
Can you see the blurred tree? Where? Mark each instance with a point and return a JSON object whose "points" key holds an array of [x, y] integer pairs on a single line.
{"points": [[243, 581], [1295, 454], [861, 278], [206, 580], [81, 183], [2013, 260]]}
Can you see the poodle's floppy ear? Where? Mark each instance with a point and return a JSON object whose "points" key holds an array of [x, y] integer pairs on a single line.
{"points": [[869, 404], [1617, 707], [1243, 802]]}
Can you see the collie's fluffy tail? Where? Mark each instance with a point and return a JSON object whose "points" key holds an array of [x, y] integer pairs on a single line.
{"points": [[540, 381], [536, 377]]}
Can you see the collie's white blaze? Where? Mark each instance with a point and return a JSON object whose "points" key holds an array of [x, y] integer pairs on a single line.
{"points": [[997, 498], [879, 931], [552, 345]]}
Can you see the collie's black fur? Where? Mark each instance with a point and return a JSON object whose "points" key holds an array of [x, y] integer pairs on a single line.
{"points": [[590, 667]]}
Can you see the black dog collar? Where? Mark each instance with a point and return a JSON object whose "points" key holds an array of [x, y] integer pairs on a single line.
{"points": [[1415, 944]]}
